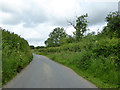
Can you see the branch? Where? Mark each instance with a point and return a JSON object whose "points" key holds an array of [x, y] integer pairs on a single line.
{"points": [[71, 24]]}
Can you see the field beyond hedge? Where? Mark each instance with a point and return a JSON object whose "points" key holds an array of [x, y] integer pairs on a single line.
{"points": [[16, 54], [94, 58]]}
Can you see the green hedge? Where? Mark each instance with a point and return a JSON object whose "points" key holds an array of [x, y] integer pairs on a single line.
{"points": [[96, 56], [16, 54]]}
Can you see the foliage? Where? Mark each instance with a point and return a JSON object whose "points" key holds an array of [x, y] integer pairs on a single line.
{"points": [[32, 47], [16, 54], [0, 58], [113, 25], [68, 39], [55, 36], [95, 57], [80, 26], [38, 47]]}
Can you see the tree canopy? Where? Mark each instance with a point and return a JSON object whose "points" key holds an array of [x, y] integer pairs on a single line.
{"points": [[113, 24], [55, 36], [80, 26]]}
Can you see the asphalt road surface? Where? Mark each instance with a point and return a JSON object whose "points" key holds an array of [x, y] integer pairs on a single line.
{"points": [[45, 73]]}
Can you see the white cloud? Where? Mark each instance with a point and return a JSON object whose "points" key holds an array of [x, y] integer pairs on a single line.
{"points": [[70, 30], [99, 0], [35, 19], [97, 28]]}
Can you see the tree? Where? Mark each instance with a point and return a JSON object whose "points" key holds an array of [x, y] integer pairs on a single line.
{"points": [[32, 47], [113, 24], [68, 39], [55, 36], [38, 47], [80, 26]]}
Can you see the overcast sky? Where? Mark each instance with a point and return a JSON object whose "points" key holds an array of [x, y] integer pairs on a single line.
{"points": [[35, 19]]}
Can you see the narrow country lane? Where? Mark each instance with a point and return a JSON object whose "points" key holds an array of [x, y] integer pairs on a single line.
{"points": [[45, 73]]}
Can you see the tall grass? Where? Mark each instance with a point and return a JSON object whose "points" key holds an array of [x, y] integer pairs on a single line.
{"points": [[16, 54]]}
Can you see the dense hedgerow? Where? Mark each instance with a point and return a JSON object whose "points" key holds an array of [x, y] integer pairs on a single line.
{"points": [[93, 55], [16, 54]]}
